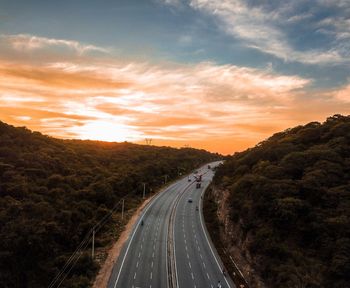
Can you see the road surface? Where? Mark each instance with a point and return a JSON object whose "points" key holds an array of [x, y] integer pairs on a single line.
{"points": [[143, 261]]}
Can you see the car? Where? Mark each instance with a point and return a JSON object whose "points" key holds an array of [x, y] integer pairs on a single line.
{"points": [[189, 179], [196, 208], [190, 200]]}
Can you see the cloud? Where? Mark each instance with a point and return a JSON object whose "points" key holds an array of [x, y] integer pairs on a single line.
{"points": [[177, 104], [172, 101], [185, 40], [266, 28], [27, 42], [343, 94]]}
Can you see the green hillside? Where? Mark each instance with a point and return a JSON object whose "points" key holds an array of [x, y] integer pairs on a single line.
{"points": [[53, 191], [290, 198]]}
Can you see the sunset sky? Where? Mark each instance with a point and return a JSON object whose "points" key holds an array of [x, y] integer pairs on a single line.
{"points": [[221, 75]]}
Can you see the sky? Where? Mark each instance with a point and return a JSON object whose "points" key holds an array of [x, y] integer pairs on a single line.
{"points": [[221, 75]]}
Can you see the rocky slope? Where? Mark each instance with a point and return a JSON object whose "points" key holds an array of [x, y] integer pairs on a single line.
{"points": [[284, 206]]}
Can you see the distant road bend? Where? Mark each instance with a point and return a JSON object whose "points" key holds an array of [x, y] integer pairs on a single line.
{"points": [[169, 246]]}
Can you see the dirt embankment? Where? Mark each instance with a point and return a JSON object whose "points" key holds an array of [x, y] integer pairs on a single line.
{"points": [[234, 243]]}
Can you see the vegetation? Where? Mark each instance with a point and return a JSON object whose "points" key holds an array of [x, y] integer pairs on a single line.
{"points": [[53, 191], [290, 196]]}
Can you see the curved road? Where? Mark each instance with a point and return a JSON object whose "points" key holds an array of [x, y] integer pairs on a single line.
{"points": [[143, 260]]}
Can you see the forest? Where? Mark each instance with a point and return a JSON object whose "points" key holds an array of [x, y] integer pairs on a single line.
{"points": [[290, 198], [53, 191]]}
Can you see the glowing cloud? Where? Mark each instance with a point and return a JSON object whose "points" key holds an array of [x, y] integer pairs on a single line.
{"points": [[219, 107], [30, 42]]}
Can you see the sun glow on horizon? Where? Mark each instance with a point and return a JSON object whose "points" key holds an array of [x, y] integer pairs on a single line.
{"points": [[220, 107], [103, 130]]}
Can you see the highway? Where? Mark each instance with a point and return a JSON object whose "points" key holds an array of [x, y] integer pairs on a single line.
{"points": [[143, 261]]}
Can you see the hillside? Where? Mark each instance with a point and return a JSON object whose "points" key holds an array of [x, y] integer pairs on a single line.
{"points": [[287, 203], [53, 191]]}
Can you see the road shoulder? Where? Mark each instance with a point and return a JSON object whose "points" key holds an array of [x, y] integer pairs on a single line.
{"points": [[105, 272]]}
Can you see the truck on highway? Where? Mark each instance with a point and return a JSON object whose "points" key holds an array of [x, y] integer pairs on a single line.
{"points": [[198, 181]]}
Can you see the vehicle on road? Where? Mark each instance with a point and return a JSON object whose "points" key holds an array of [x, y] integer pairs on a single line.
{"points": [[198, 180], [152, 244], [189, 179]]}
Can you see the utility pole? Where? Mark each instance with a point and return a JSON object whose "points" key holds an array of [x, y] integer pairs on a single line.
{"points": [[122, 209], [144, 191], [148, 141], [93, 244]]}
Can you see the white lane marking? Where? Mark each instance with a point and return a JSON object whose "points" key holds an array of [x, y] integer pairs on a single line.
{"points": [[135, 275], [153, 255], [152, 264], [208, 275], [174, 248], [137, 264], [206, 237], [151, 275], [189, 264], [139, 254], [192, 275], [136, 226]]}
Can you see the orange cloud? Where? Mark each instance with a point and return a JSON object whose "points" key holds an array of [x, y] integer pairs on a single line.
{"points": [[221, 108]]}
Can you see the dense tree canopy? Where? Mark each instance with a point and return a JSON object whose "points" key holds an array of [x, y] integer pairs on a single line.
{"points": [[290, 195], [53, 191]]}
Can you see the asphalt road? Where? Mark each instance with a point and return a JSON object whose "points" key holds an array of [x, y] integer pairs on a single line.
{"points": [[143, 259]]}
